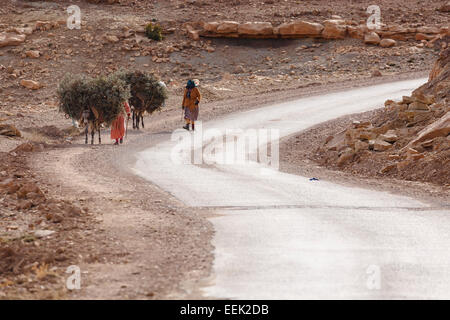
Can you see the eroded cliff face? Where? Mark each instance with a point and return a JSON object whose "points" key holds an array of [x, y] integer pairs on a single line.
{"points": [[409, 139]]}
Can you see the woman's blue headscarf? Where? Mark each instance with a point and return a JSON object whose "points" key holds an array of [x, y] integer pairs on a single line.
{"points": [[190, 84]]}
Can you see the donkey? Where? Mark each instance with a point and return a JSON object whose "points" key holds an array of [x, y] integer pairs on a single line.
{"points": [[90, 120], [139, 106]]}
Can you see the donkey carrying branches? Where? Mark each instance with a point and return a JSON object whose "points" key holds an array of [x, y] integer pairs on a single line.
{"points": [[138, 108], [91, 121]]}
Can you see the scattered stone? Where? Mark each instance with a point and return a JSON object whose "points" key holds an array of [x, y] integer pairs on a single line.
{"points": [[427, 144], [361, 145], [26, 30], [439, 128], [407, 100], [27, 189], [389, 136], [380, 145], [387, 43], [388, 168], [345, 157], [372, 38], [112, 38], [193, 34], [30, 84], [34, 54], [10, 39], [376, 73], [9, 130], [417, 105], [358, 124], [24, 147], [43, 233], [422, 36], [421, 97], [402, 165]]}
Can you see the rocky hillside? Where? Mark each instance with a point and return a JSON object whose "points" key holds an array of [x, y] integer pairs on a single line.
{"points": [[408, 139], [37, 48]]}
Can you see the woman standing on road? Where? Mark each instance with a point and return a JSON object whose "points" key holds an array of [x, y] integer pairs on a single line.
{"points": [[118, 125], [191, 100]]}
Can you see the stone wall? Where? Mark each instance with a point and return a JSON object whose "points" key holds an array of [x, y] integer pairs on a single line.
{"points": [[336, 28]]}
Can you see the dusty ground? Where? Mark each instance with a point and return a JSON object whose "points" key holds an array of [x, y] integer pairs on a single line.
{"points": [[130, 238]]}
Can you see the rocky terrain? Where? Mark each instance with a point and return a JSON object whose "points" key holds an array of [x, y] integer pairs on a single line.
{"points": [[37, 48], [408, 139], [39, 234], [239, 50]]}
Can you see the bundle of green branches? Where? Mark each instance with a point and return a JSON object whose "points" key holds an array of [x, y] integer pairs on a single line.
{"points": [[105, 94], [147, 93]]}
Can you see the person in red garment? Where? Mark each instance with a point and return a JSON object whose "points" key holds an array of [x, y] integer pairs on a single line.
{"points": [[118, 125]]}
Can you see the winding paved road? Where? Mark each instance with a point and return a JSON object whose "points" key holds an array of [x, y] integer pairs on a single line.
{"points": [[282, 236]]}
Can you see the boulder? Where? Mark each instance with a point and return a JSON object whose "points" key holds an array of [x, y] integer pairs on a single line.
{"points": [[428, 30], [255, 29], [372, 38], [361, 145], [334, 29], [422, 36], [30, 84], [357, 32], [227, 27], [380, 145], [26, 30], [389, 136], [11, 39], [358, 124], [407, 99], [366, 135], [387, 43], [210, 27], [420, 96], [346, 157], [300, 29], [28, 188], [417, 105], [192, 33], [439, 128]]}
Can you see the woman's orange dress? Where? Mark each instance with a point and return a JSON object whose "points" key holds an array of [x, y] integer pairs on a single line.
{"points": [[118, 125]]}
